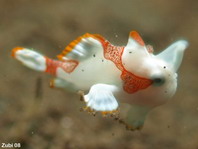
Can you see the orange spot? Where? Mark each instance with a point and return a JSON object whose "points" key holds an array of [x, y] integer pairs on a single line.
{"points": [[137, 37], [15, 50]]}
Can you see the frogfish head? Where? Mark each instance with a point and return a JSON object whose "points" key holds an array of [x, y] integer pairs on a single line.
{"points": [[161, 69]]}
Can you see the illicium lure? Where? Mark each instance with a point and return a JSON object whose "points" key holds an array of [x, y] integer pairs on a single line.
{"points": [[131, 73]]}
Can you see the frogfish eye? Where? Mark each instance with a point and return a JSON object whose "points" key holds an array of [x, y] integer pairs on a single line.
{"points": [[158, 80]]}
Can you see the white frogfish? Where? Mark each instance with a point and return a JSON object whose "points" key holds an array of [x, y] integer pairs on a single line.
{"points": [[110, 75]]}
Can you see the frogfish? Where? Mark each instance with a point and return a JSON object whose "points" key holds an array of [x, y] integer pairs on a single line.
{"points": [[106, 75]]}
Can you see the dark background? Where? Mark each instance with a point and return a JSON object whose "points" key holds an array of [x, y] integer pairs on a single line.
{"points": [[39, 117]]}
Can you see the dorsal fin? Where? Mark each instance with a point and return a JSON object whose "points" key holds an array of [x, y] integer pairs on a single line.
{"points": [[136, 43], [135, 36], [82, 47]]}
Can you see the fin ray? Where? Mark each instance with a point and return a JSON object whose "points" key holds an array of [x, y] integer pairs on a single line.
{"points": [[101, 98], [82, 47]]}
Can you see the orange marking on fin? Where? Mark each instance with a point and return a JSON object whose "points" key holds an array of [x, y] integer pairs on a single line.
{"points": [[15, 50], [51, 66], [67, 65], [137, 37], [72, 45], [99, 37]]}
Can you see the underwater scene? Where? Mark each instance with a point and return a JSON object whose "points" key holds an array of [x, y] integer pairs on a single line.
{"points": [[98, 74]]}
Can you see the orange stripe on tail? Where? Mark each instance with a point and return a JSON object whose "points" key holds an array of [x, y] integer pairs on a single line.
{"points": [[67, 65], [15, 50]]}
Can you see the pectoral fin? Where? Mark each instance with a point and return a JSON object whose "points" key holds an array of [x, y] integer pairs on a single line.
{"points": [[101, 98]]}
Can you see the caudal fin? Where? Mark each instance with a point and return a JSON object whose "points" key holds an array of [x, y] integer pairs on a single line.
{"points": [[38, 62], [30, 58]]}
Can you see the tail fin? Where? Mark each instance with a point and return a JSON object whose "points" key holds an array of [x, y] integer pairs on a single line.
{"points": [[30, 58], [38, 62]]}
